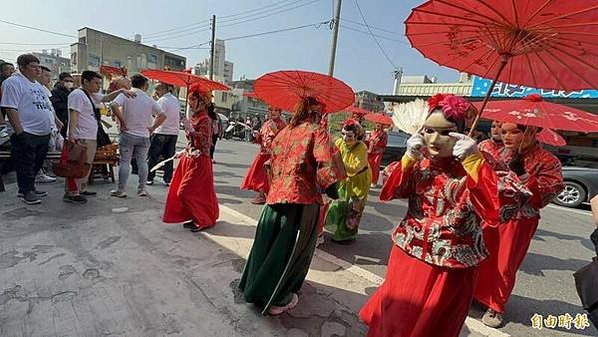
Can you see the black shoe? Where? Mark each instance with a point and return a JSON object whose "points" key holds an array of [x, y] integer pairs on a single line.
{"points": [[37, 193], [149, 182], [189, 224], [74, 199], [89, 193], [30, 198]]}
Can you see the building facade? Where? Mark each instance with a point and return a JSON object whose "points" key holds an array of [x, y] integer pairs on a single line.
{"points": [[368, 100], [222, 68], [53, 59], [95, 48]]}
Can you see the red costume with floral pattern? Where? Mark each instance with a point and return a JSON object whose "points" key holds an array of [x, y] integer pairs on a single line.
{"points": [[293, 172], [256, 178], [508, 243], [191, 195], [376, 145]]}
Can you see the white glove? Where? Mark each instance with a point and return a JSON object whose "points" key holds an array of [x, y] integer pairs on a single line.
{"points": [[464, 147], [414, 145]]}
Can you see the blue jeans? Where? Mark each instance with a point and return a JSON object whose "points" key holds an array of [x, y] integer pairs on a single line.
{"points": [[130, 145]]}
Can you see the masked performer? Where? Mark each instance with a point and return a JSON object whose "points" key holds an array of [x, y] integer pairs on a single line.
{"points": [[256, 178], [191, 197], [376, 145], [344, 214], [508, 243], [491, 148], [303, 160], [438, 245]]}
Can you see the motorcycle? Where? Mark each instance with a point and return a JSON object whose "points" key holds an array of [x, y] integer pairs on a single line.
{"points": [[235, 130]]}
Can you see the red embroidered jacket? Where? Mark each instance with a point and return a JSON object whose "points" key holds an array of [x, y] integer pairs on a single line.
{"points": [[201, 139], [443, 224], [377, 141], [267, 133], [303, 160]]}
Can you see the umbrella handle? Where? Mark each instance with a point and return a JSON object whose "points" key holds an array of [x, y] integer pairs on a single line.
{"points": [[503, 62]]}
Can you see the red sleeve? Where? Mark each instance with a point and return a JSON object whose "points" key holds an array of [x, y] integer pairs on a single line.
{"points": [[399, 184], [547, 182], [330, 167]]}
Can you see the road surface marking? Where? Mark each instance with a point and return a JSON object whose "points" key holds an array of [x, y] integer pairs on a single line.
{"points": [[242, 248], [573, 210]]}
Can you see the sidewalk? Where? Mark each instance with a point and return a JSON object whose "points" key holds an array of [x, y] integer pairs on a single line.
{"points": [[112, 268]]}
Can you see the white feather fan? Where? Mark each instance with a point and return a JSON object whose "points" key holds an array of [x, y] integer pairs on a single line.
{"points": [[410, 117]]}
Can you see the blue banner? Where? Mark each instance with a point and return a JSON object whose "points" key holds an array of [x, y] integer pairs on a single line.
{"points": [[481, 85]]}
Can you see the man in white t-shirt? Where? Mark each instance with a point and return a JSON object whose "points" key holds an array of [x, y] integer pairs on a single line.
{"points": [[83, 128], [136, 125], [26, 103], [163, 141]]}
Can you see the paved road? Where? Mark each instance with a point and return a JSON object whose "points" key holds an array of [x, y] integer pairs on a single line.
{"points": [[545, 284]]}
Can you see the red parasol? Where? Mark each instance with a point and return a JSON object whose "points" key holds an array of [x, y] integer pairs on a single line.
{"points": [[284, 89], [357, 110], [182, 79], [537, 43], [379, 118], [110, 70], [550, 137], [534, 111]]}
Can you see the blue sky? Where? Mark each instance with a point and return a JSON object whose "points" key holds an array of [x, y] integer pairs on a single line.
{"points": [[359, 61]]}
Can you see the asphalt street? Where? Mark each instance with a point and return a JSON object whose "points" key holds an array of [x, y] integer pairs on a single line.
{"points": [[545, 284]]}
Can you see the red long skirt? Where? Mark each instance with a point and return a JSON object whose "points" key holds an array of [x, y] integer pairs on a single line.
{"points": [[256, 178], [508, 243], [375, 159], [191, 195], [418, 299]]}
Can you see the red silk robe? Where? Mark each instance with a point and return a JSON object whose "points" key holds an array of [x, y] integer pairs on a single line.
{"points": [[508, 243], [438, 245], [376, 145], [256, 178], [191, 195]]}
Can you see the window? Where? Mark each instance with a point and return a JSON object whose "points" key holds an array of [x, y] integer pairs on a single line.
{"points": [[224, 97], [93, 61], [152, 58]]}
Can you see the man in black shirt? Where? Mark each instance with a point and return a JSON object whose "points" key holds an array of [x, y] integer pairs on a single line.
{"points": [[59, 99]]}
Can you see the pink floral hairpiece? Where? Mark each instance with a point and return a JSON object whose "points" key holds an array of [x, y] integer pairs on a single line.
{"points": [[453, 107], [350, 122]]}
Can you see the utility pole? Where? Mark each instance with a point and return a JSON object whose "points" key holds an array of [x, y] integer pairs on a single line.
{"points": [[212, 51], [336, 24]]}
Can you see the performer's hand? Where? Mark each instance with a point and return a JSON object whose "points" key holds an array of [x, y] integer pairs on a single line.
{"points": [[178, 154], [517, 165], [414, 145], [464, 147]]}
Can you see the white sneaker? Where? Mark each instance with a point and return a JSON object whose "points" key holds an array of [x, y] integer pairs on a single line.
{"points": [[320, 241], [44, 178]]}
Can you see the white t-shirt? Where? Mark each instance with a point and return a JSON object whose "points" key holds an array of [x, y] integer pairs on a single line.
{"points": [[87, 126], [172, 109], [138, 112], [51, 116], [31, 102]]}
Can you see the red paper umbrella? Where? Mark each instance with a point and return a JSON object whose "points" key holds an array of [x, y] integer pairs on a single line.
{"points": [[357, 110], [182, 79], [537, 43], [379, 118], [284, 89], [550, 137], [534, 111]]}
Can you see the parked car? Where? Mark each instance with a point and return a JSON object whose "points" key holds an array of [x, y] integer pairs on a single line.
{"points": [[396, 147], [581, 185]]}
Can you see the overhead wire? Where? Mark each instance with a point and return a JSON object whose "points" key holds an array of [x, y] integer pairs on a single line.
{"points": [[162, 32], [315, 25], [374, 37], [373, 27], [258, 9], [260, 16], [38, 29]]}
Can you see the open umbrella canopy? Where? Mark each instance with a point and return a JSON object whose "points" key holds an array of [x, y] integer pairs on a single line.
{"points": [[284, 89], [357, 110], [534, 111], [182, 79], [378, 118], [550, 137], [548, 44]]}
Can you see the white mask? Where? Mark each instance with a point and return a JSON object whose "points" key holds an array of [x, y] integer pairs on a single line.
{"points": [[68, 85]]}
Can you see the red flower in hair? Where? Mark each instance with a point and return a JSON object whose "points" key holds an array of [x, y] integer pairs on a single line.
{"points": [[434, 101], [454, 107], [350, 122]]}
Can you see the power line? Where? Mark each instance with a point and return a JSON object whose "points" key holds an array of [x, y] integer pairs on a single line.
{"points": [[176, 28], [315, 25], [262, 16], [373, 27], [38, 29], [257, 9], [34, 44], [378, 36], [374, 37], [178, 35]]}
